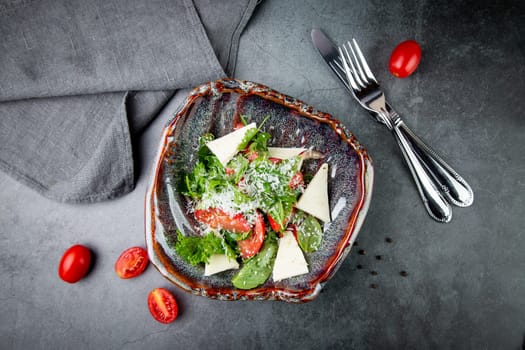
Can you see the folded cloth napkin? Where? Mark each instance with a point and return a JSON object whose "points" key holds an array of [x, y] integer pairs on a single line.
{"points": [[79, 78]]}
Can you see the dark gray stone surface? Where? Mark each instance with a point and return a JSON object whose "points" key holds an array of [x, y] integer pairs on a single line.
{"points": [[465, 287]]}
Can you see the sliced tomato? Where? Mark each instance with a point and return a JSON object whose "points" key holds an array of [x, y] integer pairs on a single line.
{"points": [[275, 160], [131, 263], [251, 246], [230, 171], [162, 305], [274, 224], [296, 180], [217, 218]]}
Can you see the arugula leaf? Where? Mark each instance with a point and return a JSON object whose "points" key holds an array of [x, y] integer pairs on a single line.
{"points": [[260, 142], [243, 119], [208, 174], [250, 133], [196, 249], [239, 164], [203, 150], [259, 268], [261, 138]]}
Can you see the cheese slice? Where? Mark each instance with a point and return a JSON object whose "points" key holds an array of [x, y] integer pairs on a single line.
{"points": [[314, 199], [226, 147], [284, 153], [218, 263], [290, 260]]}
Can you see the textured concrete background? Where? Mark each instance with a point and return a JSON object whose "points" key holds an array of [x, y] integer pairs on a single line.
{"points": [[465, 287]]}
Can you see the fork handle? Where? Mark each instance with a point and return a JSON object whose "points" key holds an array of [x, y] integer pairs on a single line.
{"points": [[455, 189], [436, 205]]}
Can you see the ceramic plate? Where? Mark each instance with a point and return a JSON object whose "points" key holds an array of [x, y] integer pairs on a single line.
{"points": [[216, 107]]}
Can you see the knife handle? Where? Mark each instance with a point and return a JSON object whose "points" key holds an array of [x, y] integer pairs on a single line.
{"points": [[436, 205], [455, 189]]}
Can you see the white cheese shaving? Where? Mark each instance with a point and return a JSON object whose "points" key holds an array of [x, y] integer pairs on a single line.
{"points": [[290, 260], [285, 153], [314, 199], [218, 263], [226, 147]]}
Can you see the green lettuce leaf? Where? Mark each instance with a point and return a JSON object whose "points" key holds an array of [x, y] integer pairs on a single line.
{"points": [[197, 249], [309, 231], [258, 269]]}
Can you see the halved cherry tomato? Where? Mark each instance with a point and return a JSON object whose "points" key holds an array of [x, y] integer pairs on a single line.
{"points": [[131, 263], [296, 180], [74, 264], [217, 218], [405, 58], [250, 246], [162, 305]]}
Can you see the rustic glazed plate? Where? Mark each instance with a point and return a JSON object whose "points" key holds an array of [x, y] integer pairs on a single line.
{"points": [[216, 107]]}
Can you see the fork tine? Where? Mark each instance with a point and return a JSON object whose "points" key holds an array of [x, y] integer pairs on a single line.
{"points": [[348, 72], [358, 65], [352, 66], [363, 61]]}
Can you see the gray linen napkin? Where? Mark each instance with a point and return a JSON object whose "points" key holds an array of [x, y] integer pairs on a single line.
{"points": [[79, 78]]}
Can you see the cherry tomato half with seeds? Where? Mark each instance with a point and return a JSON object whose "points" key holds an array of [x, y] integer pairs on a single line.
{"points": [[162, 305], [74, 264], [131, 263], [405, 59]]}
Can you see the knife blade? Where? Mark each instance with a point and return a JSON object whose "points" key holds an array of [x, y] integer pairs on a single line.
{"points": [[330, 54]]}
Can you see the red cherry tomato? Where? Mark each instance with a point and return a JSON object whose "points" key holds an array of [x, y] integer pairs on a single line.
{"points": [[405, 58], [250, 246], [74, 264], [162, 305], [131, 263]]}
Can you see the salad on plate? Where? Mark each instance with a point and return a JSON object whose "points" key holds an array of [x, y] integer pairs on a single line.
{"points": [[256, 210]]}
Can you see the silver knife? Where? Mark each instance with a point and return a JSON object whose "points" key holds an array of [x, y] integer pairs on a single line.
{"points": [[454, 188]]}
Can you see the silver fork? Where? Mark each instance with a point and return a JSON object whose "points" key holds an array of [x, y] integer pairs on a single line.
{"points": [[435, 179]]}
